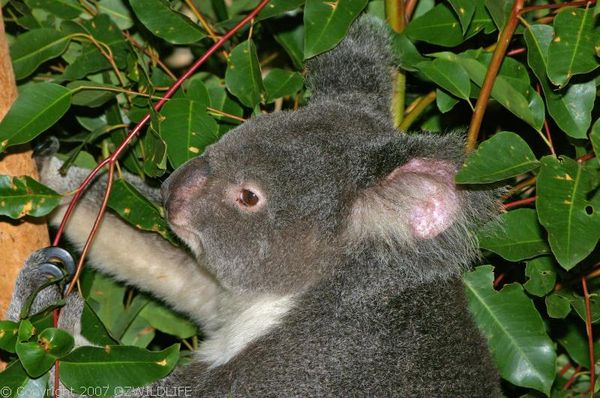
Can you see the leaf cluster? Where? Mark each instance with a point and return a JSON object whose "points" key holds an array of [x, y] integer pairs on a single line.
{"points": [[88, 70]]}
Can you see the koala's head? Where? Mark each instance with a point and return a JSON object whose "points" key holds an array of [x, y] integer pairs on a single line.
{"points": [[283, 199]]}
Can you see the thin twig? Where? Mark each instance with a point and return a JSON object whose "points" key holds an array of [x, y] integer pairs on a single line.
{"points": [[419, 107], [520, 202], [146, 51], [490, 76], [556, 6]]}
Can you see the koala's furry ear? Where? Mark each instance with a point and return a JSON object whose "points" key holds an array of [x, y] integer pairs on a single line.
{"points": [[415, 201], [358, 71]]}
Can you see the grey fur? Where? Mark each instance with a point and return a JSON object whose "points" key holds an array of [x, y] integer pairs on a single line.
{"points": [[330, 290]]}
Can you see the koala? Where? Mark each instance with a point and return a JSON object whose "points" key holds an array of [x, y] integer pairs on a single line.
{"points": [[326, 248]]}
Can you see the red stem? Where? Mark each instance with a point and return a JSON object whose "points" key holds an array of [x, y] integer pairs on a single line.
{"points": [[111, 160], [520, 202], [588, 328], [556, 6], [572, 378]]}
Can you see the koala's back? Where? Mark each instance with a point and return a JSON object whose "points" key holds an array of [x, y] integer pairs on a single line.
{"points": [[342, 342]]}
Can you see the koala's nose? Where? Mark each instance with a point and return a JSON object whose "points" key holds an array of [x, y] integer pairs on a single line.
{"points": [[182, 186]]}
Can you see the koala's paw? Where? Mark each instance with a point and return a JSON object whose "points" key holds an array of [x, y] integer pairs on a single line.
{"points": [[41, 267]]}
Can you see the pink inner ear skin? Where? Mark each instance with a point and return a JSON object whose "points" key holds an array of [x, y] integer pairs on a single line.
{"points": [[436, 198]]}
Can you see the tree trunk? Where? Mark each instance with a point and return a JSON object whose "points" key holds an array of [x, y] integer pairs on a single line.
{"points": [[18, 238]]}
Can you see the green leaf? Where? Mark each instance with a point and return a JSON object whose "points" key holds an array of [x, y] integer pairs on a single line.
{"points": [[90, 94], [139, 333], [106, 299], [292, 42], [542, 276], [163, 319], [485, 166], [22, 196], [282, 83], [557, 306], [38, 357], [16, 383], [134, 208], [154, 153], [8, 335], [499, 10], [405, 52], [35, 47], [574, 340], [448, 75], [187, 129], [26, 330], [197, 92], [572, 221], [572, 51], [327, 22], [511, 87], [115, 366], [444, 101], [578, 304], [243, 76], [36, 109], [65, 9], [221, 100], [117, 11], [89, 59], [515, 236], [571, 108], [278, 7], [162, 21], [523, 352], [481, 21], [465, 9], [437, 26], [93, 329]]}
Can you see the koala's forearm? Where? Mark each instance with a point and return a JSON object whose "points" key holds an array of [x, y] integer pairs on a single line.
{"points": [[144, 260]]}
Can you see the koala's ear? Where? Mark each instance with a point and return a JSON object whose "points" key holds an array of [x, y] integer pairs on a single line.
{"points": [[417, 200]]}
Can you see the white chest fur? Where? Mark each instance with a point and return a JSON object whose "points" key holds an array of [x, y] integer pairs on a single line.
{"points": [[242, 326]]}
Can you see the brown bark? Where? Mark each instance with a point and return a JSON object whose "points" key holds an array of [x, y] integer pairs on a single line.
{"points": [[18, 238]]}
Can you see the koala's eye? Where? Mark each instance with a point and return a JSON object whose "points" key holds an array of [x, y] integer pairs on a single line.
{"points": [[248, 198]]}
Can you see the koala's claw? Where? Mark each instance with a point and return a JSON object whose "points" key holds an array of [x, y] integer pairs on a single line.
{"points": [[57, 263]]}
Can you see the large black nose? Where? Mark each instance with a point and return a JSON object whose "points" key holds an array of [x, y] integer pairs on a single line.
{"points": [[182, 186]]}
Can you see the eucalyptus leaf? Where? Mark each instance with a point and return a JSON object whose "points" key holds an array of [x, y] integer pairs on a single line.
{"points": [[118, 11], [134, 208], [22, 196], [440, 26], [572, 50], [465, 9], [327, 22], [163, 22], [65, 9], [282, 83], [278, 7], [90, 94], [38, 357], [35, 47], [165, 320], [187, 129], [542, 276], [570, 107], [444, 101], [37, 108], [557, 306], [8, 335], [243, 76], [484, 166], [515, 236], [448, 75], [115, 366], [523, 352], [572, 221], [17, 384]]}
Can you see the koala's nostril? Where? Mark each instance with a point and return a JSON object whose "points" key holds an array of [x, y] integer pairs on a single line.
{"points": [[189, 177]]}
